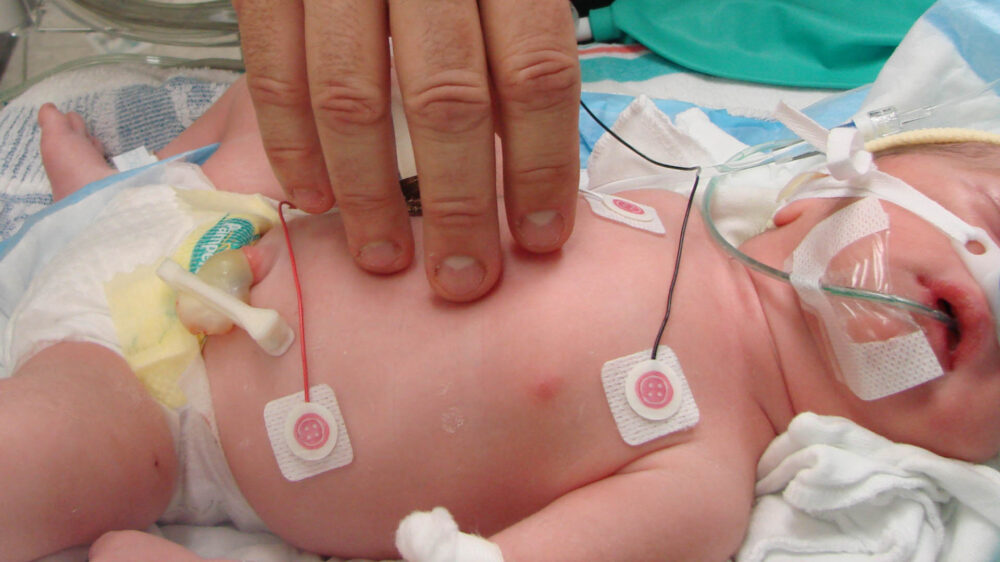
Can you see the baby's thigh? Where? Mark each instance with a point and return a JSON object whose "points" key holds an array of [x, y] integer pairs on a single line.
{"points": [[93, 450]]}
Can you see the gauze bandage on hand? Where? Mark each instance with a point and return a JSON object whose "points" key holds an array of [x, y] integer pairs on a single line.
{"points": [[433, 536]]}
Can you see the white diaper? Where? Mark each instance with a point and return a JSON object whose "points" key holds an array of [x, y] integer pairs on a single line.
{"points": [[52, 289], [206, 492], [66, 299]]}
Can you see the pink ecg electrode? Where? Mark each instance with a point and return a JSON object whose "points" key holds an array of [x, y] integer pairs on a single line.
{"points": [[628, 206], [311, 431], [654, 389]]}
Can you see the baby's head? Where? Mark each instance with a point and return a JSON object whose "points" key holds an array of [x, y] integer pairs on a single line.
{"points": [[956, 414]]}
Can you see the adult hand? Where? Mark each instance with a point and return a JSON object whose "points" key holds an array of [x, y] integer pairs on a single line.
{"points": [[318, 73]]}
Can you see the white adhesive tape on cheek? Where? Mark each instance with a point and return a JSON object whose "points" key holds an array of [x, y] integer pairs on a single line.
{"points": [[308, 438], [648, 398], [874, 369]]}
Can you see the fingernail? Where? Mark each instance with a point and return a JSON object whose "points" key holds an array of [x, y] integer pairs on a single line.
{"points": [[307, 199], [460, 276], [541, 231], [379, 256]]}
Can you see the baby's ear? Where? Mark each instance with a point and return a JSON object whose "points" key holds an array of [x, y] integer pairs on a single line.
{"points": [[809, 211], [790, 213], [791, 223]]}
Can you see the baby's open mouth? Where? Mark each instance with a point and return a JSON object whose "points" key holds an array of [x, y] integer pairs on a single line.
{"points": [[954, 333], [951, 331], [956, 338]]}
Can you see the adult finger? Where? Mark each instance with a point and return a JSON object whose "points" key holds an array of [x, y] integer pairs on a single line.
{"points": [[348, 67], [441, 63], [271, 33], [536, 75]]}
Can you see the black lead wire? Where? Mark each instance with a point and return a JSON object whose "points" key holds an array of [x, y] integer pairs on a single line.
{"points": [[684, 222]]}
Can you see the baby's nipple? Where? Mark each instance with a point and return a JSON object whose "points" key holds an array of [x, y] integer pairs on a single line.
{"points": [[228, 271]]}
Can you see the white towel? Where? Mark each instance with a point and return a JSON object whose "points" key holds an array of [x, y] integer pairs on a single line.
{"points": [[691, 139], [829, 489]]}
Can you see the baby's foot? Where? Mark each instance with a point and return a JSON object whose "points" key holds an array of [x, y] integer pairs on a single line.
{"points": [[72, 157]]}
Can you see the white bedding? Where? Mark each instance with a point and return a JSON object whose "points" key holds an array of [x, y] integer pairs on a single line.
{"points": [[815, 495]]}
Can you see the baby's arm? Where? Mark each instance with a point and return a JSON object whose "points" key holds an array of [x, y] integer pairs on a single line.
{"points": [[671, 505]]}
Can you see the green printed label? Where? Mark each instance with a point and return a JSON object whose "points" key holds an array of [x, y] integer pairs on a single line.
{"points": [[228, 233]]}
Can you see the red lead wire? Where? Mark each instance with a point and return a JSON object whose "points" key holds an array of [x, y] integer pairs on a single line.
{"points": [[298, 298]]}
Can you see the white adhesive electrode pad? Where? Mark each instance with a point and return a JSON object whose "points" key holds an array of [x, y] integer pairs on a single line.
{"points": [[308, 438], [624, 211], [648, 398]]}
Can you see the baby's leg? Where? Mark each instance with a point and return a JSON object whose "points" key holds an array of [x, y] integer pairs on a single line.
{"points": [[85, 451], [230, 117], [206, 129], [239, 165], [72, 157]]}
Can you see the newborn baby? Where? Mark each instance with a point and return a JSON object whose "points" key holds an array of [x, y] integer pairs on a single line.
{"points": [[495, 410]]}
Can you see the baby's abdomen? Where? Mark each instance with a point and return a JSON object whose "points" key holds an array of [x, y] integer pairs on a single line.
{"points": [[493, 445]]}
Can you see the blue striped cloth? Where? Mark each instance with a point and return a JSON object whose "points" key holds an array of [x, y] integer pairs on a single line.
{"points": [[132, 107]]}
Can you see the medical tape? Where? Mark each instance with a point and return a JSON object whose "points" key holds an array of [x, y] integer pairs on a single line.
{"points": [[624, 211], [875, 369], [983, 265], [861, 178], [308, 438], [649, 398], [135, 158]]}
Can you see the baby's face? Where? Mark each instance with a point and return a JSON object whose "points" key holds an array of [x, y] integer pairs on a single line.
{"points": [[957, 414]]}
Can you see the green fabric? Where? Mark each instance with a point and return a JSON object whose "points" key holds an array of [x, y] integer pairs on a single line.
{"points": [[645, 67], [808, 43], [602, 25]]}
